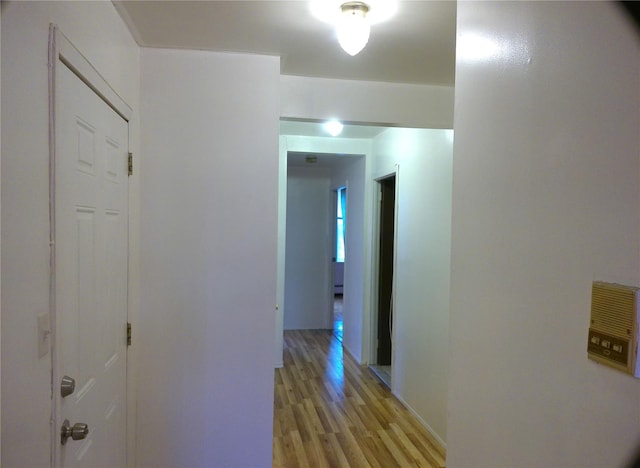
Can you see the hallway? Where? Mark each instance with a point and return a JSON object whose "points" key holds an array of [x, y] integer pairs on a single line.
{"points": [[329, 411]]}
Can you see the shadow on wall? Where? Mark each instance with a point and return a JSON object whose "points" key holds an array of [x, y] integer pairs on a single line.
{"points": [[633, 11]]}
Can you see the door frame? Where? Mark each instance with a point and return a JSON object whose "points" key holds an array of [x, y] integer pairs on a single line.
{"points": [[375, 263], [61, 52]]}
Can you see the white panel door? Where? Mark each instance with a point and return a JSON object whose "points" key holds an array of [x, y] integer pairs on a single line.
{"points": [[91, 205]]}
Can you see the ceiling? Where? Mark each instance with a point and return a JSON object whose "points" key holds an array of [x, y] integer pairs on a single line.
{"points": [[316, 129], [417, 45]]}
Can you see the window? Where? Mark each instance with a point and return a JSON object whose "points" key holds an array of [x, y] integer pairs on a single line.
{"points": [[341, 216]]}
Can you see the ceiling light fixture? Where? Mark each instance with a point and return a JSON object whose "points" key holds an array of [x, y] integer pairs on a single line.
{"points": [[334, 127], [353, 27], [353, 19]]}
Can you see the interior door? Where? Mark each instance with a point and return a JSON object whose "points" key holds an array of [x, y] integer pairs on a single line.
{"points": [[385, 271], [91, 250]]}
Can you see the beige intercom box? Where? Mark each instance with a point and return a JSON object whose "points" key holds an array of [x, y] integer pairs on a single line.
{"points": [[613, 333]]}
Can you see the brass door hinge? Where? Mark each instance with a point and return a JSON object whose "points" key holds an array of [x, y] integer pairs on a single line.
{"points": [[130, 163], [128, 333]]}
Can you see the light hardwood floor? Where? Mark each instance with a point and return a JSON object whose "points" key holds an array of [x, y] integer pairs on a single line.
{"points": [[329, 411]]}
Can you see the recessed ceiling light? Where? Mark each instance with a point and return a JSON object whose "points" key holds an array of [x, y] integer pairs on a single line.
{"points": [[333, 127]]}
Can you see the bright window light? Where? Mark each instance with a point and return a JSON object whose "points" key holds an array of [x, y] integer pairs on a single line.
{"points": [[341, 215]]}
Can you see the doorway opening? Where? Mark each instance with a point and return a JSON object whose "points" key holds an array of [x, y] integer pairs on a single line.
{"points": [[383, 324], [345, 161], [316, 242]]}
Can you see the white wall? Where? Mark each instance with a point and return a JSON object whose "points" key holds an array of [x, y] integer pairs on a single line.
{"points": [[282, 242], [422, 267], [308, 249], [545, 201], [0, 242], [365, 101], [209, 211], [97, 30], [353, 176]]}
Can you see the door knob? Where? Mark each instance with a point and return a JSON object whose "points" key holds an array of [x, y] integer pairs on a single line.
{"points": [[67, 386], [77, 432]]}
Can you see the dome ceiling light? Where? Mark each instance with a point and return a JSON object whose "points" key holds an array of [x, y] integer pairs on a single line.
{"points": [[353, 27], [353, 19]]}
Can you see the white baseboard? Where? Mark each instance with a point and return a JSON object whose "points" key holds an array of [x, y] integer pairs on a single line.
{"points": [[344, 347], [421, 421]]}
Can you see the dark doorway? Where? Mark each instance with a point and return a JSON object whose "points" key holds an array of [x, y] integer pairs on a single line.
{"points": [[385, 270]]}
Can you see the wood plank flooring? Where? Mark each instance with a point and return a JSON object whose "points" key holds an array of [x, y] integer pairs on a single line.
{"points": [[331, 412]]}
